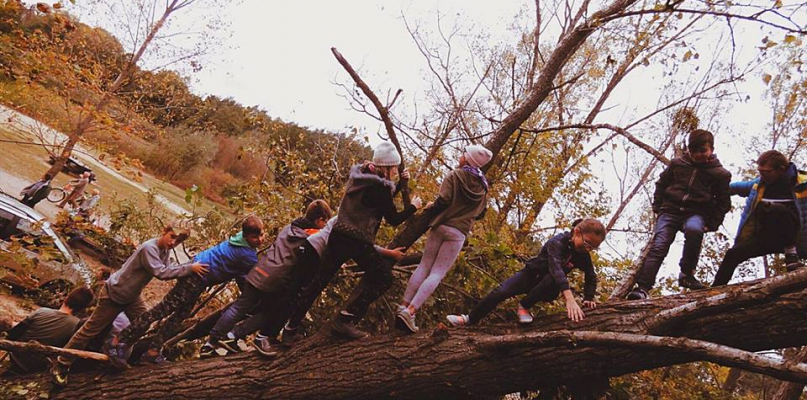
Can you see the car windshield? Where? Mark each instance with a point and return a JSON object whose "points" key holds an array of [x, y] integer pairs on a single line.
{"points": [[36, 236]]}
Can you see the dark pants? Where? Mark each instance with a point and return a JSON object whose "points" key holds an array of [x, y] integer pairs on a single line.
{"points": [[301, 303], [537, 288], [376, 280], [667, 226], [775, 228], [247, 301], [176, 305], [276, 306]]}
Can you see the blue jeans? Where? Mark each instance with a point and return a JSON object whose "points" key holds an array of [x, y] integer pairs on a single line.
{"points": [[667, 226], [248, 300]]}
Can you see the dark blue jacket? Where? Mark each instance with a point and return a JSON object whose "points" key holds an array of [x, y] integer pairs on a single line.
{"points": [[557, 258]]}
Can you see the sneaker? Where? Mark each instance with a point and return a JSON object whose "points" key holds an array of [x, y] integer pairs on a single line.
{"points": [[289, 337], [342, 325], [524, 315], [208, 350], [153, 356], [792, 262], [400, 308], [458, 320], [638, 294], [58, 373], [263, 344], [690, 282], [118, 354], [406, 321], [231, 345]]}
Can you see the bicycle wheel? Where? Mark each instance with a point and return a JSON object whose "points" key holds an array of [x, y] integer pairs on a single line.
{"points": [[56, 195]]}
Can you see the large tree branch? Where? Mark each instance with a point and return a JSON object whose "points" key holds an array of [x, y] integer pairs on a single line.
{"points": [[795, 28], [451, 364], [701, 350], [383, 112]]}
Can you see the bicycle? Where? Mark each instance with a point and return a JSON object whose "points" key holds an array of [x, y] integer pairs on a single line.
{"points": [[56, 195]]}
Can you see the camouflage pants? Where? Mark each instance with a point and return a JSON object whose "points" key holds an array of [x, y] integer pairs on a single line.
{"points": [[176, 305]]}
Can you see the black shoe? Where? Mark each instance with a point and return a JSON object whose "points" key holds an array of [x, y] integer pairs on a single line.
{"points": [[264, 346], [638, 294], [792, 262], [690, 282], [290, 337], [208, 350], [344, 326], [231, 345], [58, 373]]}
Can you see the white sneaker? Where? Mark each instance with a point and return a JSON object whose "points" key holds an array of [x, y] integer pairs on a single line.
{"points": [[458, 320], [407, 319]]}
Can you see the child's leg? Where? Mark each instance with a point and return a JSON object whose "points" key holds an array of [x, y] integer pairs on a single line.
{"points": [[433, 243], [544, 291], [693, 237], [103, 315], [376, 280], [175, 297], [666, 227], [249, 298], [335, 256], [519, 283], [736, 256], [452, 243]]}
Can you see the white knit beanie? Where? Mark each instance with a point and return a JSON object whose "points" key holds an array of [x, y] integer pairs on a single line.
{"points": [[477, 155], [386, 155]]}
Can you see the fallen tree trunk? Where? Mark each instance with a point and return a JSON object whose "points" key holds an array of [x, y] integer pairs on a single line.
{"points": [[615, 339]]}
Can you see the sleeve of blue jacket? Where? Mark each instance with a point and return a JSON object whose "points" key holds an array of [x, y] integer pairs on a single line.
{"points": [[742, 188], [556, 256]]}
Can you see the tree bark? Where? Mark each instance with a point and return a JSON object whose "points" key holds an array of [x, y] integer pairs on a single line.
{"points": [[614, 339], [786, 390]]}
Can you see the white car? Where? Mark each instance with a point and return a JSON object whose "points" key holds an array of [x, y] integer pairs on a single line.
{"points": [[33, 255]]}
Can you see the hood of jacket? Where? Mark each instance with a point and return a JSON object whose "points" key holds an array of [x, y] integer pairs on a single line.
{"points": [[471, 187]]}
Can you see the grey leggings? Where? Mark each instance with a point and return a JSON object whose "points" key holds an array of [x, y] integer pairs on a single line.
{"points": [[442, 248]]}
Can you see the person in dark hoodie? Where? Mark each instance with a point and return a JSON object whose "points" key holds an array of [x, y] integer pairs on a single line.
{"points": [[544, 276], [229, 259], [35, 192], [774, 219], [692, 195], [281, 269], [368, 199], [289, 314], [462, 199]]}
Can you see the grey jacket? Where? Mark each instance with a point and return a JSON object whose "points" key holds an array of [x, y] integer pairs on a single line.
{"points": [[275, 267], [148, 261]]}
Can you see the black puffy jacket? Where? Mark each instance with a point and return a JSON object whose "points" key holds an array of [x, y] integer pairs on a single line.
{"points": [[689, 188]]}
